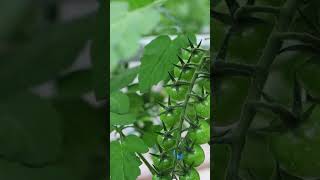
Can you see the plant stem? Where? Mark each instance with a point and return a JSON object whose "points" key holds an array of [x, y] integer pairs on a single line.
{"points": [[303, 37], [270, 52], [253, 9], [185, 105], [147, 164]]}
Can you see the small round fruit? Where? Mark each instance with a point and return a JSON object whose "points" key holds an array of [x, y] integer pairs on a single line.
{"points": [[177, 94], [196, 58], [165, 164], [297, 151], [191, 175], [195, 157], [186, 75], [203, 108], [170, 119], [166, 143], [201, 134]]}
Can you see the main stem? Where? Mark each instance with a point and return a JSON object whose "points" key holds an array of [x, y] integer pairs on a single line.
{"points": [[185, 105], [271, 49]]}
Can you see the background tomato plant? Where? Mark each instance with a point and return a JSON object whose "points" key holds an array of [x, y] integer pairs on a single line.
{"points": [[266, 90]]}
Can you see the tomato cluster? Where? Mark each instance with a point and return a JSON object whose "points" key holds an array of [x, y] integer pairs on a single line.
{"points": [[185, 118]]}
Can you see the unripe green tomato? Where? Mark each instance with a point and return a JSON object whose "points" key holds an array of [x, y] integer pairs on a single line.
{"points": [[167, 143], [175, 94], [200, 135], [191, 112], [170, 119], [196, 58], [297, 151], [194, 158], [186, 75], [191, 175], [165, 165], [203, 108], [156, 177]]}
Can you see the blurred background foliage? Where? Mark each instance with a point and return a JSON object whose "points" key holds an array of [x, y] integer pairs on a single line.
{"points": [[155, 17], [52, 101], [245, 45]]}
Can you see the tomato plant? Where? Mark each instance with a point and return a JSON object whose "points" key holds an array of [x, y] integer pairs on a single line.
{"points": [[200, 133], [191, 175], [266, 95], [194, 156], [159, 93]]}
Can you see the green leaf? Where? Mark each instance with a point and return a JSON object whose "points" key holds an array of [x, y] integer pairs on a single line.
{"points": [[309, 74], [135, 144], [59, 47], [125, 164], [126, 29], [99, 57], [31, 130], [75, 84], [121, 119], [150, 136], [123, 79], [158, 59], [119, 103]]}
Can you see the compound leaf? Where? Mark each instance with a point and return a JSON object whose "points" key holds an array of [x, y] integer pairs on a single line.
{"points": [[158, 57], [124, 31], [125, 164], [119, 103]]}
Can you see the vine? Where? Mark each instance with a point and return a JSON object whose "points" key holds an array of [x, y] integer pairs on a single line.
{"points": [[235, 134]]}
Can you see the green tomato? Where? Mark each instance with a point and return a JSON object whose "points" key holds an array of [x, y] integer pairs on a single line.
{"points": [[186, 75], [191, 175], [203, 108], [175, 94], [170, 119], [156, 177], [191, 112], [166, 143], [165, 165], [195, 157], [298, 150], [196, 58], [200, 135]]}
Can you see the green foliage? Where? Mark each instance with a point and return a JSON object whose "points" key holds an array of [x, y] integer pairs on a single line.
{"points": [[22, 118], [158, 58], [134, 103], [124, 26], [123, 79], [48, 132], [125, 162], [119, 103], [266, 91], [98, 52], [60, 46]]}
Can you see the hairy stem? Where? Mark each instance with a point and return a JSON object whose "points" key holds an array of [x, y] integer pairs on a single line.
{"points": [[147, 163], [256, 9], [185, 105], [270, 52]]}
